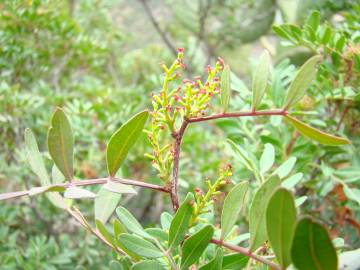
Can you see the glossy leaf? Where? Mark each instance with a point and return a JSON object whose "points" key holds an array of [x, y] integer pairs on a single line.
{"points": [[61, 143], [74, 192], [235, 261], [105, 204], [122, 140], [302, 81], [130, 222], [225, 88], [267, 158], [195, 245], [216, 263], [233, 204], [139, 246], [257, 215], [260, 79], [315, 134], [148, 265], [312, 247], [180, 222], [280, 225]]}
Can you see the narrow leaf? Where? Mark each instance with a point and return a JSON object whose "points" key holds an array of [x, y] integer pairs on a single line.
{"points": [[267, 158], [122, 140], [104, 232], [225, 88], [74, 192], [257, 215], [39, 190], [61, 143], [292, 181], [280, 225], [119, 188], [130, 222], [105, 204], [284, 169], [312, 247], [302, 81], [233, 204], [195, 245], [180, 222], [140, 246], [260, 80], [315, 134]]}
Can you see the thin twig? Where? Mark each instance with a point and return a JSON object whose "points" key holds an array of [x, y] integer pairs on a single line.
{"points": [[246, 252]]}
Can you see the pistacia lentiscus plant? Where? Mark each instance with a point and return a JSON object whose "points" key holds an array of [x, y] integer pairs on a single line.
{"points": [[191, 238]]}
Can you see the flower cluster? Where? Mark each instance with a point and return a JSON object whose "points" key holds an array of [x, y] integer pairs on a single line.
{"points": [[176, 102]]}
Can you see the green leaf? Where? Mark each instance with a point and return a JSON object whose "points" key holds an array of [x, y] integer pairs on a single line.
{"points": [[139, 246], [315, 134], [235, 261], [38, 190], [260, 80], [122, 140], [267, 158], [195, 245], [165, 220], [225, 88], [257, 215], [74, 192], [104, 232], [158, 234], [233, 204], [216, 263], [130, 222], [280, 225], [180, 222], [119, 188], [312, 247], [352, 193], [147, 265], [292, 181], [302, 81], [61, 143], [105, 204], [314, 20], [115, 265], [284, 169]]}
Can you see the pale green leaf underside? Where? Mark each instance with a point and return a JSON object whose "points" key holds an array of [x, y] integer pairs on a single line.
{"points": [[260, 80]]}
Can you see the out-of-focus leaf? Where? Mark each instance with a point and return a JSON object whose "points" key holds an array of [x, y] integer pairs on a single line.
{"points": [[122, 140], [280, 225], [292, 181], [216, 263], [267, 158], [148, 265], [74, 192], [104, 232], [165, 220], [39, 190], [180, 222], [302, 81], [315, 134], [115, 265], [260, 79], [105, 204], [130, 222], [349, 260], [312, 247], [195, 245], [352, 193], [119, 188], [61, 143], [225, 88], [284, 169], [139, 246], [314, 20], [257, 212], [233, 204]]}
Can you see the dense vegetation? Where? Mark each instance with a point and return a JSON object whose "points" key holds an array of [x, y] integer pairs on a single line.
{"points": [[269, 168]]}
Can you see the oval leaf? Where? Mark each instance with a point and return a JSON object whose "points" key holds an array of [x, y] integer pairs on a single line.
{"points": [[315, 134], [130, 222], [105, 204], [74, 192], [302, 81], [235, 261], [280, 225], [257, 215], [61, 143], [260, 80], [312, 247], [225, 88], [139, 246], [267, 158], [119, 188], [233, 204], [180, 223], [195, 245], [122, 140]]}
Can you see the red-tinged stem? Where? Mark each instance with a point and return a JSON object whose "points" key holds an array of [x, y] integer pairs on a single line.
{"points": [[246, 252], [89, 182], [180, 133]]}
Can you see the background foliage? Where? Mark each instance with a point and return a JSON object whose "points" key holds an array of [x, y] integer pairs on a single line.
{"points": [[99, 60]]}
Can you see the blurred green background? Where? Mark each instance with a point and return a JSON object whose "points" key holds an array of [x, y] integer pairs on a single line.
{"points": [[100, 61]]}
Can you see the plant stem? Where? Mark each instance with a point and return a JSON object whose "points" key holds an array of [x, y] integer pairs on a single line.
{"points": [[246, 252]]}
